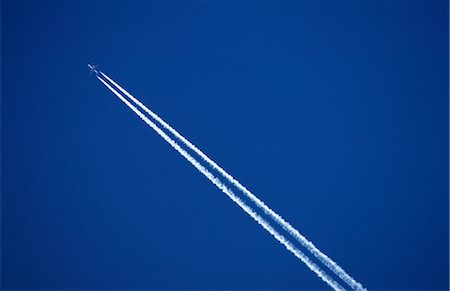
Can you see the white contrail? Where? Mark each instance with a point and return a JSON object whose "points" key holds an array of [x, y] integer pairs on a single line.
{"points": [[328, 262], [311, 265]]}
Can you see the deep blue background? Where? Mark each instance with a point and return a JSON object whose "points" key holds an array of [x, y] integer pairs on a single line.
{"points": [[333, 112]]}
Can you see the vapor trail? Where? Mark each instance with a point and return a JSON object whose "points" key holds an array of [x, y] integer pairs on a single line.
{"points": [[328, 262], [216, 181]]}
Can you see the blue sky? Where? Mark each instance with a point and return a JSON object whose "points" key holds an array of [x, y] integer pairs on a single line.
{"points": [[335, 113]]}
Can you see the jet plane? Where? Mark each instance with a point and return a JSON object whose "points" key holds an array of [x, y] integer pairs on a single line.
{"points": [[93, 69]]}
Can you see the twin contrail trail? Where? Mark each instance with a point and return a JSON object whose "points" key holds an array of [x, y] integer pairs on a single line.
{"points": [[335, 268]]}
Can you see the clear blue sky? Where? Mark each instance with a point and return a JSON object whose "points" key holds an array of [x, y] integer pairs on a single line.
{"points": [[333, 112]]}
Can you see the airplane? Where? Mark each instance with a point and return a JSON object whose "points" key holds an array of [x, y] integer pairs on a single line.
{"points": [[93, 69]]}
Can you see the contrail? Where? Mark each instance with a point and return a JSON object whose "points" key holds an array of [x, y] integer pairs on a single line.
{"points": [[311, 265], [328, 262]]}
